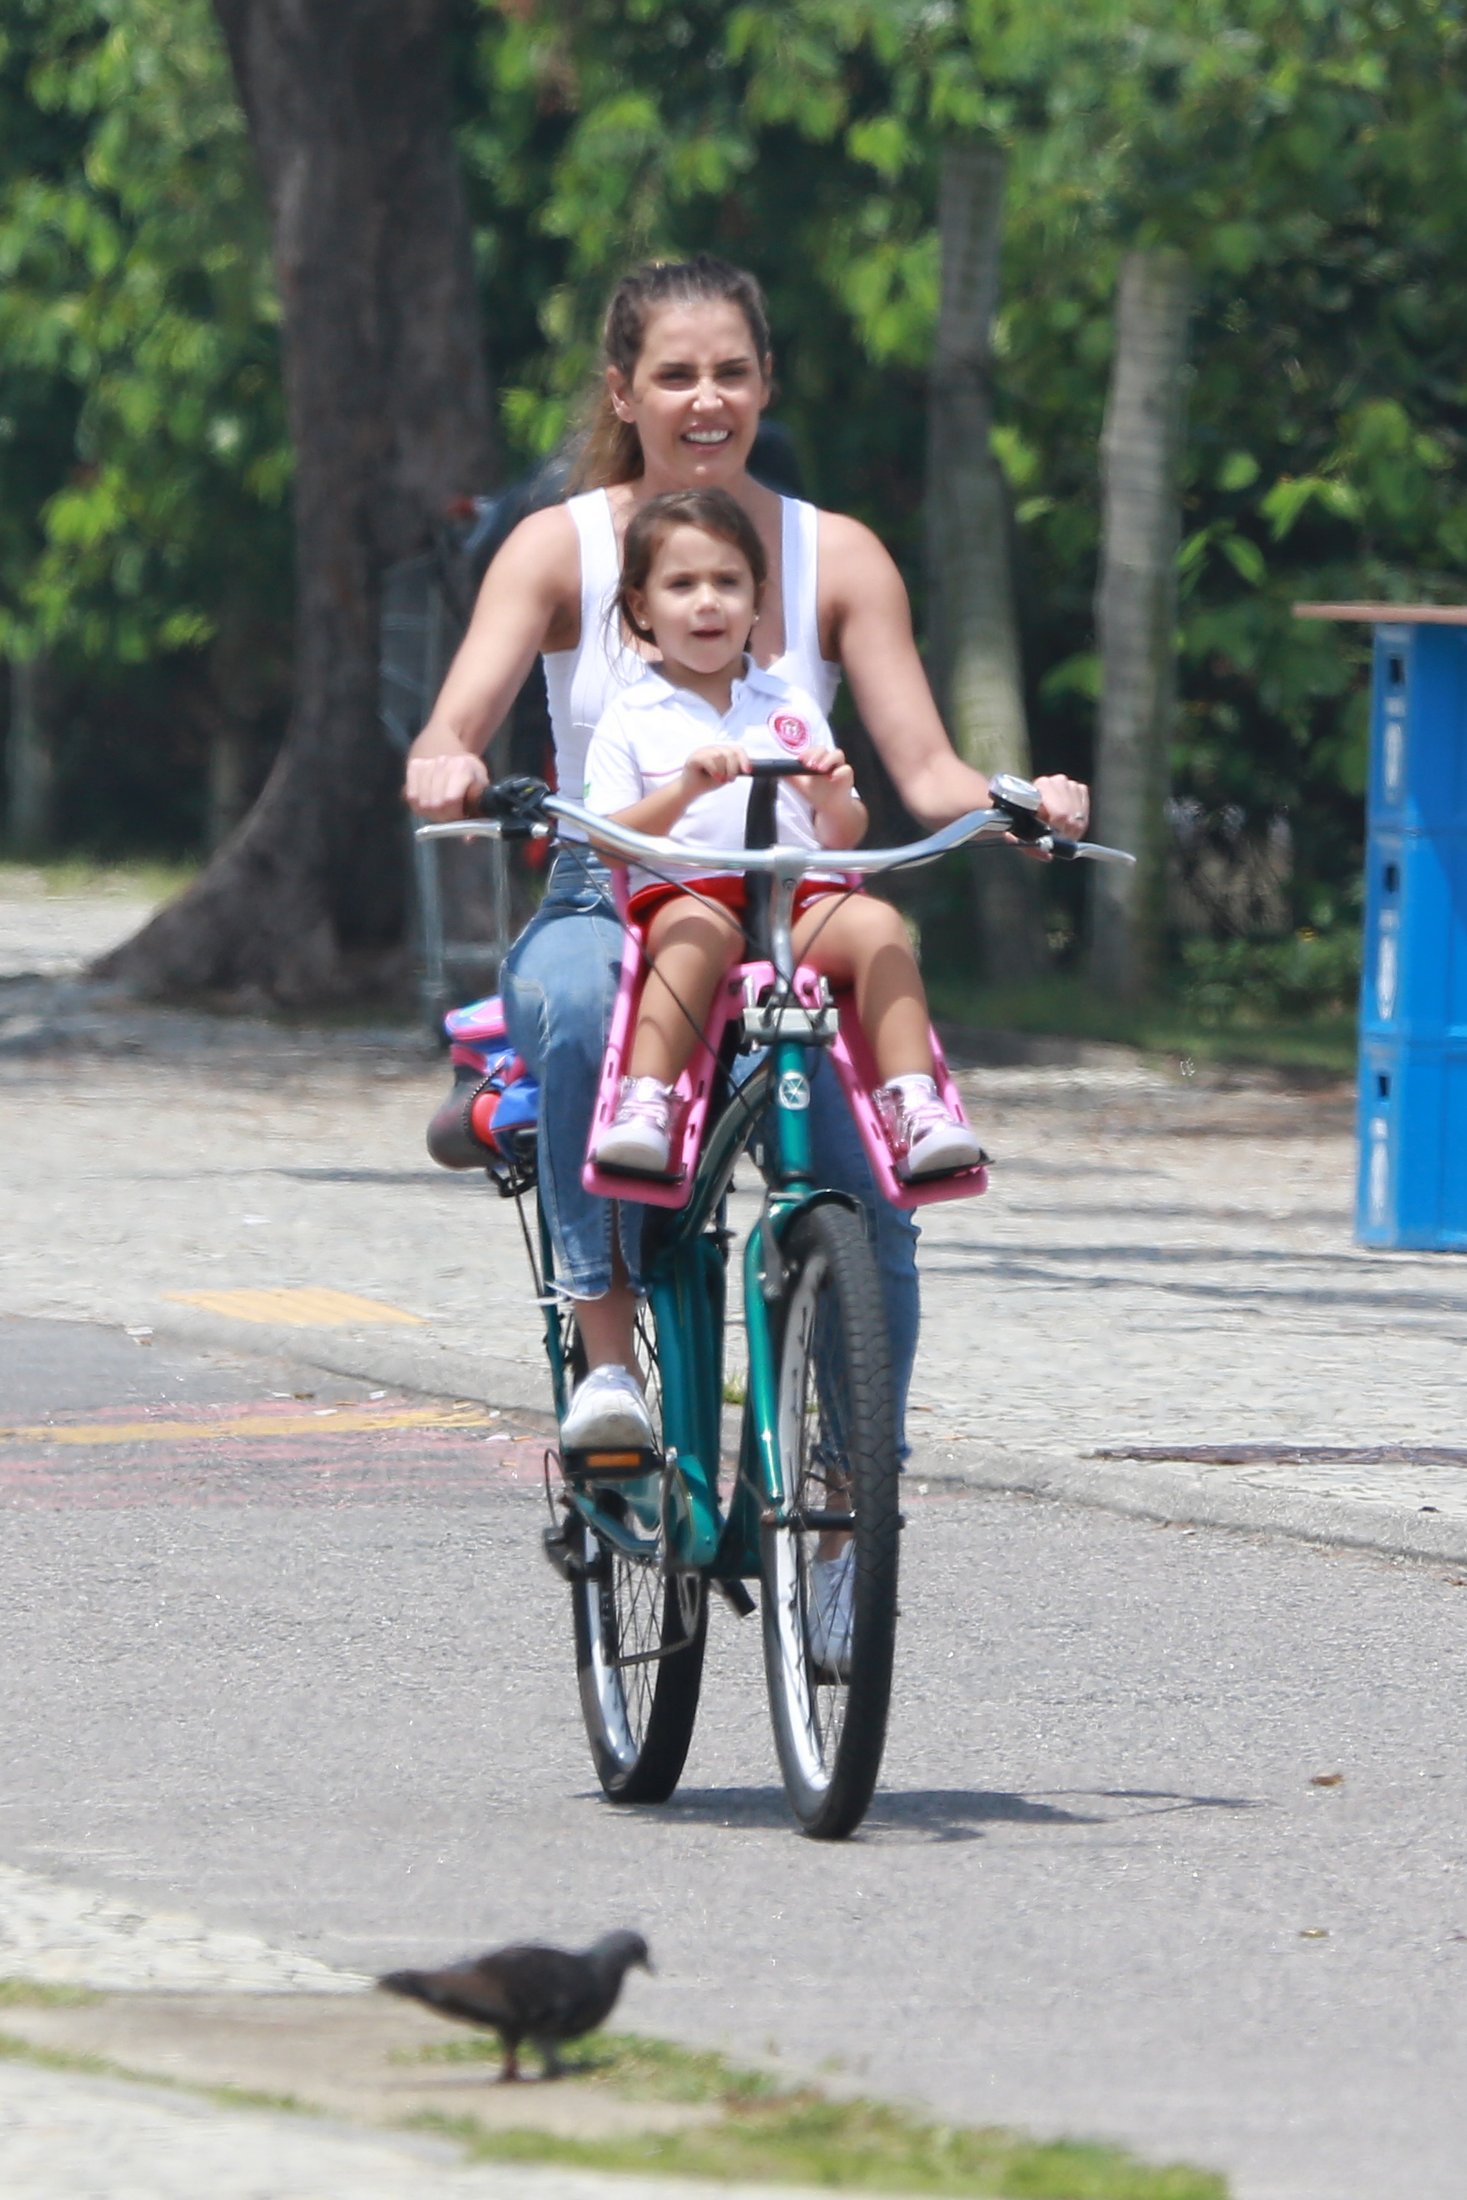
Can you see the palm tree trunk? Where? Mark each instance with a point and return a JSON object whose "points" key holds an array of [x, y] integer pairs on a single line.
{"points": [[972, 635], [1136, 613]]}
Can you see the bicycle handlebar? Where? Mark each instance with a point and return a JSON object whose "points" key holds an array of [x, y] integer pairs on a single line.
{"points": [[518, 809]]}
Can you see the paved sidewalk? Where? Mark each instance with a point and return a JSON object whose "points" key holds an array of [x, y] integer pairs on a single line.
{"points": [[1158, 1306], [77, 2138]]}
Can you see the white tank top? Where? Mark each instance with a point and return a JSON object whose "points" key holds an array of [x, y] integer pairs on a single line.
{"points": [[580, 682]]}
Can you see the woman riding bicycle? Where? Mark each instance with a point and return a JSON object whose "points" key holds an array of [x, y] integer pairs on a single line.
{"points": [[686, 378]]}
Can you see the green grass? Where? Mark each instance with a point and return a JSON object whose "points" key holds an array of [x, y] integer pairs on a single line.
{"points": [[763, 2131], [1066, 1007], [76, 875], [69, 2062], [757, 2129], [31, 1993]]}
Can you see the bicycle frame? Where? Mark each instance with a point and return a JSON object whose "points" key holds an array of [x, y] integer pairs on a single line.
{"points": [[685, 1270]]}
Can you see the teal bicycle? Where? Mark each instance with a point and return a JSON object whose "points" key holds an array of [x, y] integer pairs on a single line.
{"points": [[642, 1538]]}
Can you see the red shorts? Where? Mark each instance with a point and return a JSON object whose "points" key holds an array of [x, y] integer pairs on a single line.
{"points": [[728, 888]]}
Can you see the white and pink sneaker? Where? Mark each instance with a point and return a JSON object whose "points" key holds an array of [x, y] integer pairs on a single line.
{"points": [[639, 1135], [925, 1140]]}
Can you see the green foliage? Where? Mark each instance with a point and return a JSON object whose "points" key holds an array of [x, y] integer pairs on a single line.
{"points": [[1286, 149], [138, 330], [1306, 156], [1310, 975], [1315, 1040]]}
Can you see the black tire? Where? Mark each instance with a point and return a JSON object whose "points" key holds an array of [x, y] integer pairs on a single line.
{"points": [[838, 1445], [639, 1715]]}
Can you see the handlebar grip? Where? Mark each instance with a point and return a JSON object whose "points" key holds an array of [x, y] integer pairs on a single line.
{"points": [[776, 767], [514, 803]]}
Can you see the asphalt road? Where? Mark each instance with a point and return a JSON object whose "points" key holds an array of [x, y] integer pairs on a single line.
{"points": [[320, 1685]]}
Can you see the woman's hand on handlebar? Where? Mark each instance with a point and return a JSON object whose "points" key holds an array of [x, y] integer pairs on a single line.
{"points": [[444, 788], [1064, 804]]}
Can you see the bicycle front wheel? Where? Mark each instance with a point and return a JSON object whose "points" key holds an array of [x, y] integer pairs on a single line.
{"points": [[640, 1631], [829, 1674]]}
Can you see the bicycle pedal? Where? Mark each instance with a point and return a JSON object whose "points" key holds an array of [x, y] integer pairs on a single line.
{"points": [[736, 1597], [610, 1463]]}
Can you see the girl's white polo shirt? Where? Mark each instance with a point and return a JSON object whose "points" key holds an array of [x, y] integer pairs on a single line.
{"points": [[649, 731]]}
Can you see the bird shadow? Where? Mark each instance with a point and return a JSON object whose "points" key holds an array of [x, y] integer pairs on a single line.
{"points": [[473, 2073], [942, 1814]]}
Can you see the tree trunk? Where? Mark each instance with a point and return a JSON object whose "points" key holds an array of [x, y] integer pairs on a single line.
{"points": [[349, 113], [30, 763], [1136, 613], [973, 647]]}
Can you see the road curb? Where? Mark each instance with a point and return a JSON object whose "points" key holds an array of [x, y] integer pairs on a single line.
{"points": [[1181, 1496], [1424, 1516]]}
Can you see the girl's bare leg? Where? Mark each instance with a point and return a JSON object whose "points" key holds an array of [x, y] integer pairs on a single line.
{"points": [[863, 943], [691, 946]]}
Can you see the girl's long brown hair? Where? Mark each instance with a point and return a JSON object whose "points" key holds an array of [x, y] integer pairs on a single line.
{"points": [[610, 449]]}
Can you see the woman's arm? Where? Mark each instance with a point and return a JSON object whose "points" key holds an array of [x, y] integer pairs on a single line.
{"points": [[529, 601], [866, 624]]}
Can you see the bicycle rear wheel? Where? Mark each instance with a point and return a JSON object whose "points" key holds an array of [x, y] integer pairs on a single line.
{"points": [[640, 1631], [838, 1448]]}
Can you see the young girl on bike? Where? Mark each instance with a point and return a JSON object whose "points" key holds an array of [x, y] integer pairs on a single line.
{"points": [[668, 758]]}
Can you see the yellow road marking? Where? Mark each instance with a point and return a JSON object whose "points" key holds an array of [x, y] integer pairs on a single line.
{"points": [[298, 1309], [249, 1424]]}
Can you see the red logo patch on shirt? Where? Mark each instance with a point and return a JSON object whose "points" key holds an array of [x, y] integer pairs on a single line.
{"points": [[790, 732]]}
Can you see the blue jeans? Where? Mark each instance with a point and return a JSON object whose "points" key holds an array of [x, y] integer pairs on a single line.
{"points": [[558, 983]]}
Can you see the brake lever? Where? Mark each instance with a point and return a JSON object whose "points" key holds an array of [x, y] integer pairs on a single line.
{"points": [[1078, 851]]}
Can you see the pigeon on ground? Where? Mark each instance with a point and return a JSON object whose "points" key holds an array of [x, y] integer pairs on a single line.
{"points": [[529, 1992]]}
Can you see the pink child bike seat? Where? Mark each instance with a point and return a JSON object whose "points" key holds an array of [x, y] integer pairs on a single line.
{"points": [[853, 1066]]}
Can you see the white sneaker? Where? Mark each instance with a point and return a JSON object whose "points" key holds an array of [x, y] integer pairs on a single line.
{"points": [[639, 1134], [828, 1622], [925, 1140], [608, 1411]]}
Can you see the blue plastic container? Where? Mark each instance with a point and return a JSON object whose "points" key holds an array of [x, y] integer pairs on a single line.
{"points": [[1411, 1104], [1418, 732], [1412, 1092], [1412, 1185], [1413, 978]]}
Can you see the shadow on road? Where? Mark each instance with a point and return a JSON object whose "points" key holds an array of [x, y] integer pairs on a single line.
{"points": [[944, 1814]]}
